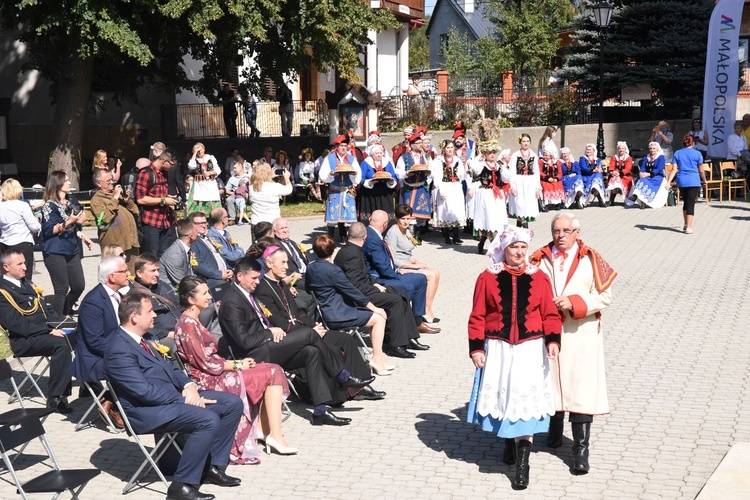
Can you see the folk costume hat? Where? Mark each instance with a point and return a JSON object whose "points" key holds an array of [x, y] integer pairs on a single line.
{"points": [[342, 139], [408, 130], [414, 138], [489, 147], [459, 129], [508, 236]]}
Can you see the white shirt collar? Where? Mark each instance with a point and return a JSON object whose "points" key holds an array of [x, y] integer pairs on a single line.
{"points": [[136, 338], [186, 247], [12, 280]]}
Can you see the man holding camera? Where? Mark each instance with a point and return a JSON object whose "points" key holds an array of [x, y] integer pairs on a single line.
{"points": [[157, 206], [115, 214]]}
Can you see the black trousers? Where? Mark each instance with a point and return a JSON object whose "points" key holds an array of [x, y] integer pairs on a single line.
{"points": [[400, 326], [58, 349], [156, 240], [574, 418], [689, 195], [303, 347], [67, 278]]}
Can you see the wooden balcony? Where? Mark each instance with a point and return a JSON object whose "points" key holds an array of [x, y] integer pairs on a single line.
{"points": [[404, 10]]}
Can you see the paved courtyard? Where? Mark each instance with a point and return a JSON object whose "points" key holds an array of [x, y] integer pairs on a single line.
{"points": [[678, 366]]}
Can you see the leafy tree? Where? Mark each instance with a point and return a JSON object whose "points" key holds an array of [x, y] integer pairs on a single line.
{"points": [[419, 48], [127, 44], [659, 42], [526, 36], [457, 53]]}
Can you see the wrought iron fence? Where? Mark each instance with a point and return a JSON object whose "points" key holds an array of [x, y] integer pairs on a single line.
{"points": [[197, 121], [519, 107]]}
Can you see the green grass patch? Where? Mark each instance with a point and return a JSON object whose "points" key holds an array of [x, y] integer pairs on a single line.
{"points": [[303, 209]]}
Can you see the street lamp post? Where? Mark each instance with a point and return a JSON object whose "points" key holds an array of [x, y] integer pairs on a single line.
{"points": [[602, 16]]}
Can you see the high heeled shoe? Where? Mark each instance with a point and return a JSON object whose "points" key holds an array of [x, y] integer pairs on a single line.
{"points": [[271, 444], [379, 371]]}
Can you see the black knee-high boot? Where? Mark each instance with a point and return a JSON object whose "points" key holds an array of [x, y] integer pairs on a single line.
{"points": [[522, 466], [581, 434], [456, 239], [509, 453], [342, 233], [331, 230], [480, 247], [446, 237], [555, 435], [542, 207]]}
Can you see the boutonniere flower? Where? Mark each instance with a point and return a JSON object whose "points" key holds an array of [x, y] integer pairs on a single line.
{"points": [[163, 350], [302, 248], [38, 290], [265, 310], [231, 240], [193, 260], [216, 244]]}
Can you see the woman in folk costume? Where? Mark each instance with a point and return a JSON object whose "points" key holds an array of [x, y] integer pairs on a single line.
{"points": [[593, 175], [571, 179], [514, 333], [490, 215], [204, 193], [465, 150], [651, 187], [307, 174], [525, 189], [413, 171], [379, 183], [342, 173], [550, 177], [374, 139], [450, 207], [620, 173]]}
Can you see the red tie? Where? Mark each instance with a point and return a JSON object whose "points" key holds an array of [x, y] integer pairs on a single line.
{"points": [[147, 348], [562, 256]]}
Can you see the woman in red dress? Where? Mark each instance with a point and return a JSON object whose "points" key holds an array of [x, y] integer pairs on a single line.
{"points": [[262, 386], [620, 173], [550, 177]]}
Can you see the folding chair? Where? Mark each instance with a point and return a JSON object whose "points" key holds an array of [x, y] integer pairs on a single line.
{"points": [[55, 481], [711, 184], [728, 171], [355, 331], [30, 376], [83, 422], [12, 417], [150, 462]]}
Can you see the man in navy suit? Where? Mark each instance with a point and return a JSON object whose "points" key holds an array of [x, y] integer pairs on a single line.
{"points": [[218, 233], [159, 398], [97, 320], [380, 265], [211, 266]]}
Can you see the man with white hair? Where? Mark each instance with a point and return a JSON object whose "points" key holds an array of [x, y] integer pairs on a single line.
{"points": [[97, 319], [581, 285]]}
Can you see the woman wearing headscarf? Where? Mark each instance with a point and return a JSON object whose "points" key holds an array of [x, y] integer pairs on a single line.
{"points": [[593, 175], [620, 172], [379, 183], [651, 188], [514, 330], [571, 179], [450, 207]]}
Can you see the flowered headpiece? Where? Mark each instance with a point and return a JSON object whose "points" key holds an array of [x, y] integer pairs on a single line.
{"points": [[508, 236]]}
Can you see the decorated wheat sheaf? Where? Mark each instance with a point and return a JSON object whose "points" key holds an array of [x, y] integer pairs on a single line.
{"points": [[485, 129]]}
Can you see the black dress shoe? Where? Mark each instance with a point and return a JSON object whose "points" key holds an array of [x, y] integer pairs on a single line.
{"points": [[329, 418], [353, 381], [60, 405], [369, 393], [215, 475], [399, 352], [416, 345], [182, 491]]}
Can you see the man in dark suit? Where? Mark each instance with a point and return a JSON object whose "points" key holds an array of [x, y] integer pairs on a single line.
{"points": [[248, 333], [276, 296], [218, 233], [298, 261], [401, 326], [159, 398], [24, 316], [97, 321], [210, 265], [380, 265], [175, 263]]}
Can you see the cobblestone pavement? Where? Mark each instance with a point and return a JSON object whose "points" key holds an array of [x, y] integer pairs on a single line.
{"points": [[677, 362]]}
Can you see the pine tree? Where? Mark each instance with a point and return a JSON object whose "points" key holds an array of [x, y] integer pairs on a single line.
{"points": [[658, 42]]}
